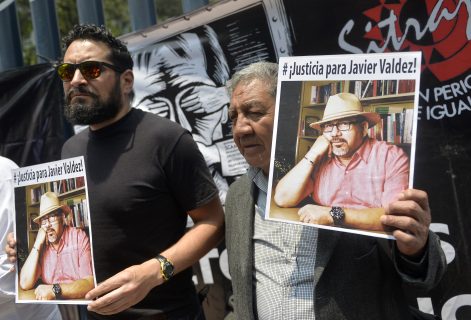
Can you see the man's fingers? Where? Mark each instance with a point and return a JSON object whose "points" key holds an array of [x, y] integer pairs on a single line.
{"points": [[110, 284], [116, 300], [411, 235], [10, 247], [303, 215], [303, 218], [413, 203], [103, 288], [112, 303], [410, 209], [406, 223], [404, 237], [409, 244], [103, 303], [11, 238], [404, 207], [11, 253], [418, 196]]}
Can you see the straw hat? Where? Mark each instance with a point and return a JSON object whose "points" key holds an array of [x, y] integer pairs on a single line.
{"points": [[49, 203], [345, 105]]}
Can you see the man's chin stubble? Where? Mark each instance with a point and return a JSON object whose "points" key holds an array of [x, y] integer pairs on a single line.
{"points": [[339, 152]]}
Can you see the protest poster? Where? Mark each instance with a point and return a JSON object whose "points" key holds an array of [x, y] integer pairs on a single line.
{"points": [[353, 152], [53, 232]]}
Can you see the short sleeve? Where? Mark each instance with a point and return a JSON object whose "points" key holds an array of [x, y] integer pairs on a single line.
{"points": [[188, 175]]}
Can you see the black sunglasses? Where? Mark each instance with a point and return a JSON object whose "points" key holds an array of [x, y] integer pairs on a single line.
{"points": [[88, 69]]}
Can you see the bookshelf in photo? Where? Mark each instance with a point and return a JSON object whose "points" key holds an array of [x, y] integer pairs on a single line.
{"points": [[70, 192], [363, 89], [393, 100]]}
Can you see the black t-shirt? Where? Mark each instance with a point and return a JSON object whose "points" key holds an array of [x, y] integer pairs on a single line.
{"points": [[144, 173]]}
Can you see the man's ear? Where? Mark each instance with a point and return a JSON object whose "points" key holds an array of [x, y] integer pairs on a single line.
{"points": [[365, 128], [64, 218], [127, 81]]}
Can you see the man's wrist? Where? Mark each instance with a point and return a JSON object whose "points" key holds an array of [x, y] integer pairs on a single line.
{"points": [[311, 157], [309, 160], [418, 257], [152, 269], [412, 266]]}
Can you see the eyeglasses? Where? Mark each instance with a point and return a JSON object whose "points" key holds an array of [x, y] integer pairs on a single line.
{"points": [[51, 219], [88, 69], [342, 126]]}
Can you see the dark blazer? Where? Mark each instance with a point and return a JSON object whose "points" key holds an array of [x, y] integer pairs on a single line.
{"points": [[357, 277]]}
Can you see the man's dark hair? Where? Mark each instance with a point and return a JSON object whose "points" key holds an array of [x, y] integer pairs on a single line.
{"points": [[120, 55]]}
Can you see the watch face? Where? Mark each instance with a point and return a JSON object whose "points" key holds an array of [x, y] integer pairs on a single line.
{"points": [[168, 269], [166, 266], [338, 215], [56, 289]]}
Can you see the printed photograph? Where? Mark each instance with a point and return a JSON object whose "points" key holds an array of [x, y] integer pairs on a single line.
{"points": [[52, 221], [347, 152]]}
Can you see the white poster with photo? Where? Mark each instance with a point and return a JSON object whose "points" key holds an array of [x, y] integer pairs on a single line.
{"points": [[53, 232], [354, 145]]}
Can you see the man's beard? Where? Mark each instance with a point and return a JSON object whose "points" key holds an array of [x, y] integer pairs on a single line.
{"points": [[339, 152], [96, 111], [52, 236]]}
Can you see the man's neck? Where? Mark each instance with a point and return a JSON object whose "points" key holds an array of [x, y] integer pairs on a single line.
{"points": [[344, 160], [123, 111]]}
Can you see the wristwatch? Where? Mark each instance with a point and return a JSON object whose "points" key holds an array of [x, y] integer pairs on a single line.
{"points": [[56, 288], [338, 215], [166, 267]]}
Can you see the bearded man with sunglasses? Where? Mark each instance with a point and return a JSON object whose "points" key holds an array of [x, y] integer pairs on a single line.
{"points": [[352, 178], [145, 176]]}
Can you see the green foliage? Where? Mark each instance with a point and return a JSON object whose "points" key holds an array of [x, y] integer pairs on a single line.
{"points": [[26, 30], [67, 16], [117, 18], [167, 9], [116, 14]]}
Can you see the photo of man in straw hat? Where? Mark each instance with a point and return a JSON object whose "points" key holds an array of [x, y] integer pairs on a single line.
{"points": [[60, 260], [351, 177]]}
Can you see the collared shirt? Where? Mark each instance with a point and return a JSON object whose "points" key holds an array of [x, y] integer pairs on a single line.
{"points": [[284, 260], [376, 174], [72, 261]]}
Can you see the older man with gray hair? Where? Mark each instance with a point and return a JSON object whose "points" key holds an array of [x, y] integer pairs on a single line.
{"points": [[289, 271]]}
